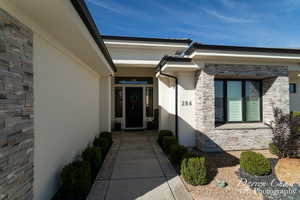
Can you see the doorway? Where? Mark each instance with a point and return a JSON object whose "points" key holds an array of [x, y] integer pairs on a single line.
{"points": [[134, 107]]}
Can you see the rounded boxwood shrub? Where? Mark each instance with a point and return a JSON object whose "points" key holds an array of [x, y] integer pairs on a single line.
{"points": [[168, 141], [76, 180], [273, 149], [93, 156], [162, 134], [104, 143], [178, 152], [254, 163], [106, 135], [194, 171]]}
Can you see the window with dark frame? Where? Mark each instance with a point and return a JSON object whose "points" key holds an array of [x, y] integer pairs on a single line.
{"points": [[238, 101], [293, 88], [118, 102]]}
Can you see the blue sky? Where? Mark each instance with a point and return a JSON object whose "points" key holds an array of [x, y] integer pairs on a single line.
{"points": [[269, 23]]}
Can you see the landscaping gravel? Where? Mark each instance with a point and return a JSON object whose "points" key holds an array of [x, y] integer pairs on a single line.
{"points": [[269, 186]]}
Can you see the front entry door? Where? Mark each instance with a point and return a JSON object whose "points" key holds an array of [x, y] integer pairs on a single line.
{"points": [[134, 107]]}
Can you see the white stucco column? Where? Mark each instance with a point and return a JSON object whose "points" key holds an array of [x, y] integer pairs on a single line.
{"points": [[166, 103], [186, 108], [105, 103], [163, 96]]}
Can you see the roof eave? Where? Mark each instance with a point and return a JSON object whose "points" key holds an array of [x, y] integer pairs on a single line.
{"points": [[198, 46], [145, 39], [166, 59], [86, 17]]}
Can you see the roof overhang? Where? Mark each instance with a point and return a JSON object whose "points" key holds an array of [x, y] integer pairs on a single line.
{"points": [[68, 25], [173, 67], [142, 52], [245, 56], [173, 64], [149, 43], [234, 53]]}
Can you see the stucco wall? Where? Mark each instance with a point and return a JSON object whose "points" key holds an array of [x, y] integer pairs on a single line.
{"points": [[295, 97], [66, 114], [186, 108], [166, 103]]}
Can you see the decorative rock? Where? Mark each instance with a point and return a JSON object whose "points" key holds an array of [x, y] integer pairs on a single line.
{"points": [[288, 170], [221, 183]]}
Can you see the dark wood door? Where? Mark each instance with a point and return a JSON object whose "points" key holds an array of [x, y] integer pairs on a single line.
{"points": [[134, 107]]}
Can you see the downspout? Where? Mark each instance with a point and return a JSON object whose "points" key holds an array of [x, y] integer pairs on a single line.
{"points": [[176, 100]]}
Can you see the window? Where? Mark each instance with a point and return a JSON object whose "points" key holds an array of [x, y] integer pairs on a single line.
{"points": [[292, 87], [149, 102], [118, 101], [252, 100], [219, 101], [234, 101], [237, 101], [134, 80]]}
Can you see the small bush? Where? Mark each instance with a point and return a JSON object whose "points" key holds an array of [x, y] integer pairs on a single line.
{"points": [[76, 179], [162, 134], [104, 143], [273, 149], [168, 141], [295, 114], [194, 170], [178, 152], [93, 156], [106, 135], [254, 163], [285, 128]]}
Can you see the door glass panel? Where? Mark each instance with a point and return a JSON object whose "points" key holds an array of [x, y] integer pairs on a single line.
{"points": [[252, 95], [118, 101], [234, 101], [149, 102], [219, 101]]}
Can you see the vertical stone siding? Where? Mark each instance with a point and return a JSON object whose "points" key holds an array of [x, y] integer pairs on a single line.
{"points": [[275, 93], [16, 109]]}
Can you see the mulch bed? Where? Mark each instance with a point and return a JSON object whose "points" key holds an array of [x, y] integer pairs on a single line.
{"points": [[269, 186]]}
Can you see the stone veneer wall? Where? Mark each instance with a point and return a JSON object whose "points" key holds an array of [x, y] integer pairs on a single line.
{"points": [[16, 109], [275, 93]]}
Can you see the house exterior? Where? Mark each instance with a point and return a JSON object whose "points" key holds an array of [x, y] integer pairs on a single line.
{"points": [[62, 82], [225, 94]]}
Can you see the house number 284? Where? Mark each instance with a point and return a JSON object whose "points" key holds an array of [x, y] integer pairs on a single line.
{"points": [[186, 103]]}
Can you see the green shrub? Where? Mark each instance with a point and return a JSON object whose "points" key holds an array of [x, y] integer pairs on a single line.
{"points": [[178, 152], [193, 170], [106, 135], [168, 141], [273, 149], [93, 155], [162, 134], [104, 143], [295, 114], [76, 179], [254, 163]]}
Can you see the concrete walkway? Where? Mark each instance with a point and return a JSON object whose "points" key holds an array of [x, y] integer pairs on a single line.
{"points": [[136, 168]]}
